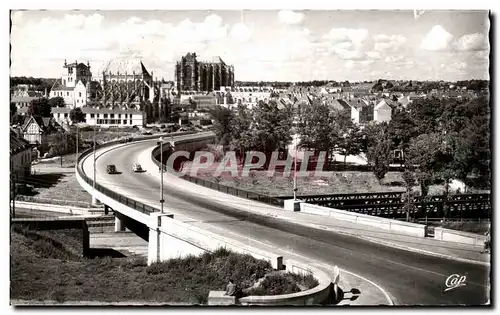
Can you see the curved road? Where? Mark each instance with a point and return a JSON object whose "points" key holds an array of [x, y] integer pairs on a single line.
{"points": [[410, 278]]}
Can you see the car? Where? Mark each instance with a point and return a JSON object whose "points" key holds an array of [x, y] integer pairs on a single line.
{"points": [[111, 169], [137, 167]]}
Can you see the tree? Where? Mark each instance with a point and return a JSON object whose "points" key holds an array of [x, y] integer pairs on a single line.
{"points": [[401, 129], [222, 127], [242, 135], [315, 128], [348, 136], [40, 107], [409, 180], [426, 114], [13, 110], [57, 102], [76, 115], [431, 155], [379, 157], [272, 127]]}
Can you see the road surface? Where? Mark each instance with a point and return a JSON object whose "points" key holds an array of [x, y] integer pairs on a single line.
{"points": [[410, 278]]}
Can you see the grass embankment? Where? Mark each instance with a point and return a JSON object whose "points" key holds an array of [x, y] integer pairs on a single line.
{"points": [[56, 186], [56, 183], [331, 182], [42, 268]]}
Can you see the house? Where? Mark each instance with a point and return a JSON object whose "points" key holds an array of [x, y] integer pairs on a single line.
{"points": [[38, 130], [382, 112], [104, 117], [20, 156], [361, 109], [74, 86], [22, 101]]}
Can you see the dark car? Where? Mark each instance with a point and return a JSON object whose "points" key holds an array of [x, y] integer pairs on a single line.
{"points": [[111, 169]]}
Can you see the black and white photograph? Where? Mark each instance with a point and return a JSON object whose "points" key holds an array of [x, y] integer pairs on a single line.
{"points": [[255, 157]]}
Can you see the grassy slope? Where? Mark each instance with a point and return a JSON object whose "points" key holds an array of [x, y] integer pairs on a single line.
{"points": [[40, 271]]}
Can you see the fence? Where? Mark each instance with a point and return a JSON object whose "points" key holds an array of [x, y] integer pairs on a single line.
{"points": [[223, 188], [391, 204], [114, 195]]}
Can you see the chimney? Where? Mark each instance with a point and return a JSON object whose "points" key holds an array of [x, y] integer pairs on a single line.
{"points": [[19, 132]]}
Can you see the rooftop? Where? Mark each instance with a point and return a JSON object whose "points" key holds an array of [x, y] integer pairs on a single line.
{"points": [[129, 66], [17, 144], [93, 110]]}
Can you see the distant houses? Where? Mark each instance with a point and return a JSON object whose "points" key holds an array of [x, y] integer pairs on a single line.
{"points": [[20, 156]]}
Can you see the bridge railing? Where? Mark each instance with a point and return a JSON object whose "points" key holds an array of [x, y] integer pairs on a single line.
{"points": [[220, 187], [139, 206]]}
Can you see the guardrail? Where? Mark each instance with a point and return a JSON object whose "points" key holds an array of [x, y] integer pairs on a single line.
{"points": [[136, 205], [391, 204], [312, 296], [222, 188]]}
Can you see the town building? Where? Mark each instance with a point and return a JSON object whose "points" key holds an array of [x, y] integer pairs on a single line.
{"points": [[202, 74], [75, 85], [382, 112], [36, 129], [126, 83], [20, 156], [103, 117], [22, 101]]}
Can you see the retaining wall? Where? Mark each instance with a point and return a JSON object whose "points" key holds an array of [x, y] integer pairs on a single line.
{"points": [[383, 223], [443, 234]]}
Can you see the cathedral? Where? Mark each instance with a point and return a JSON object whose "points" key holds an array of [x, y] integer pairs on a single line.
{"points": [[126, 83], [203, 75]]}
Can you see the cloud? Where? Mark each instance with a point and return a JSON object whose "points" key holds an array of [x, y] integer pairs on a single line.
{"points": [[374, 54], [482, 55], [459, 65], [290, 17], [241, 32], [348, 44], [367, 62], [471, 42], [356, 36], [349, 54], [389, 42], [438, 39]]}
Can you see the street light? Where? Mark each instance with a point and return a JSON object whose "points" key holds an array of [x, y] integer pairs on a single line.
{"points": [[94, 200], [161, 174], [295, 160], [76, 159]]}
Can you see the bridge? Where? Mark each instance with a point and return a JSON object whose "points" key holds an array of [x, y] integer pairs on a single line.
{"points": [[196, 218], [390, 204]]}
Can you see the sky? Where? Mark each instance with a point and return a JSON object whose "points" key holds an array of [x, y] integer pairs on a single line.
{"points": [[262, 45]]}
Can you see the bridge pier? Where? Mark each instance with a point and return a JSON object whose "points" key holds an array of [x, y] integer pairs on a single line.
{"points": [[95, 201], [163, 244], [155, 244], [119, 225], [106, 209]]}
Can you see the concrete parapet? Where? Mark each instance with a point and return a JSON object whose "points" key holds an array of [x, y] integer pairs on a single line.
{"points": [[220, 298], [292, 204], [313, 296], [56, 208], [455, 236], [408, 228]]}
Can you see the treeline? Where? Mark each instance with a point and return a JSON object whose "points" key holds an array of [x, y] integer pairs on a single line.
{"points": [[441, 139], [39, 83]]}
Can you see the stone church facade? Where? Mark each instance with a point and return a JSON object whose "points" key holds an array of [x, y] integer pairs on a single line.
{"points": [[202, 74]]}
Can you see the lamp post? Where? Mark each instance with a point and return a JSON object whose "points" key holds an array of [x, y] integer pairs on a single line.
{"points": [[76, 159], [94, 200], [295, 171], [161, 175], [295, 159]]}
